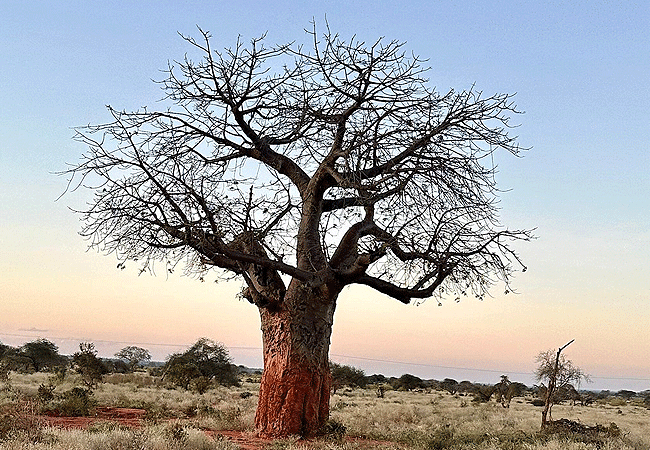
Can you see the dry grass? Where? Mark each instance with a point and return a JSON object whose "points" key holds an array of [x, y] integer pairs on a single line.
{"points": [[401, 420], [157, 437], [438, 420]]}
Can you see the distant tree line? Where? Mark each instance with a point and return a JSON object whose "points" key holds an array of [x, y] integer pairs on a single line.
{"points": [[207, 363], [204, 364], [502, 392]]}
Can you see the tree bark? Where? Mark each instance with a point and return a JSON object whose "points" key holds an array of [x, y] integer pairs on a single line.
{"points": [[295, 388]]}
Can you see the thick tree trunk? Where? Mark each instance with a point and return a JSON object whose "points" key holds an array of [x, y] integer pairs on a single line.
{"points": [[295, 389]]}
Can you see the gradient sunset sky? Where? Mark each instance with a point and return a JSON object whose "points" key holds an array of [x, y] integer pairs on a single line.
{"points": [[581, 71]]}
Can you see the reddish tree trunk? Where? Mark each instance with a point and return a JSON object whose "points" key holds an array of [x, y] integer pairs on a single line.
{"points": [[295, 389]]}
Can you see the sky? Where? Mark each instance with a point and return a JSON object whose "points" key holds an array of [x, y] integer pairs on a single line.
{"points": [[580, 73]]}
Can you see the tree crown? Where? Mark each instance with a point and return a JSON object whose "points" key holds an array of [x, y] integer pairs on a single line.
{"points": [[133, 355], [334, 165], [568, 374]]}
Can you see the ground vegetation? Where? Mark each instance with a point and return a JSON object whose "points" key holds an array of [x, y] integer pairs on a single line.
{"points": [[146, 414]]}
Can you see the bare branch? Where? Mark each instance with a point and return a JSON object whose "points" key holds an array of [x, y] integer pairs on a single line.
{"points": [[338, 163]]}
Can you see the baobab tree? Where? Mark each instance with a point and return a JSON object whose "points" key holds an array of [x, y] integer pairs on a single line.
{"points": [[301, 170]]}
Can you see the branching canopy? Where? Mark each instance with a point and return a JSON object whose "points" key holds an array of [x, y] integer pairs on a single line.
{"points": [[335, 164], [567, 373]]}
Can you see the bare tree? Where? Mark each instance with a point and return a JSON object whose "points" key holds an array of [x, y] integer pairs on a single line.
{"points": [[301, 172], [560, 374]]}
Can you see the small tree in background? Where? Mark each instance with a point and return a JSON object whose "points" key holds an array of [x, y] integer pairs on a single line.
{"points": [[347, 376], [450, 385], [408, 382], [43, 354], [133, 356], [205, 360], [89, 366], [4, 365], [3, 349], [559, 373], [14, 359]]}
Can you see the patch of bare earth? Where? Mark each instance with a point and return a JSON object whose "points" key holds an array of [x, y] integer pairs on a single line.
{"points": [[133, 418]]}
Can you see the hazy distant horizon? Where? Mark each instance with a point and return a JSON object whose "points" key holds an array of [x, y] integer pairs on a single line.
{"points": [[251, 357]]}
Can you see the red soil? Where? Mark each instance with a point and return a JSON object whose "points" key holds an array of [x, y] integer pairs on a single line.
{"points": [[133, 418]]}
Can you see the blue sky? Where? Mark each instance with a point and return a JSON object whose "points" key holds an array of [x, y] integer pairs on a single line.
{"points": [[580, 71]]}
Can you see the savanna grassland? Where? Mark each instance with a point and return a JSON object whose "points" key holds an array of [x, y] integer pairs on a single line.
{"points": [[173, 418]]}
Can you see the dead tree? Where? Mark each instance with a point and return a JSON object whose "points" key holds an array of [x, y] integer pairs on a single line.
{"points": [[559, 374], [301, 172]]}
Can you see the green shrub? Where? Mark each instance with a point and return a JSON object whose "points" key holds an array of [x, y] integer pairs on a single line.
{"points": [[4, 371], [45, 393], [538, 402], [205, 361], [76, 402], [88, 365], [614, 401]]}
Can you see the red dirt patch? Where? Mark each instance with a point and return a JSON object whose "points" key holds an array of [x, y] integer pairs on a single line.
{"points": [[133, 418]]}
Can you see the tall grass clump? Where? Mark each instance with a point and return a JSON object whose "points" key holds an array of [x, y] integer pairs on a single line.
{"points": [[20, 421]]}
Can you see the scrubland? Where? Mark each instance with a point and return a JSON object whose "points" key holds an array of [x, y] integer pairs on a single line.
{"points": [[180, 419]]}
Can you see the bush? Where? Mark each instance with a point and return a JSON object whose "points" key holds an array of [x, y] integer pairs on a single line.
{"points": [[205, 361], [617, 401], [646, 401], [91, 368], [347, 376], [4, 372], [76, 402], [333, 430], [20, 419], [407, 382], [46, 393]]}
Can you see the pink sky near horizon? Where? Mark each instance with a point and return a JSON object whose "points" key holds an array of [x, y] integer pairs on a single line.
{"points": [[499, 334]]}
